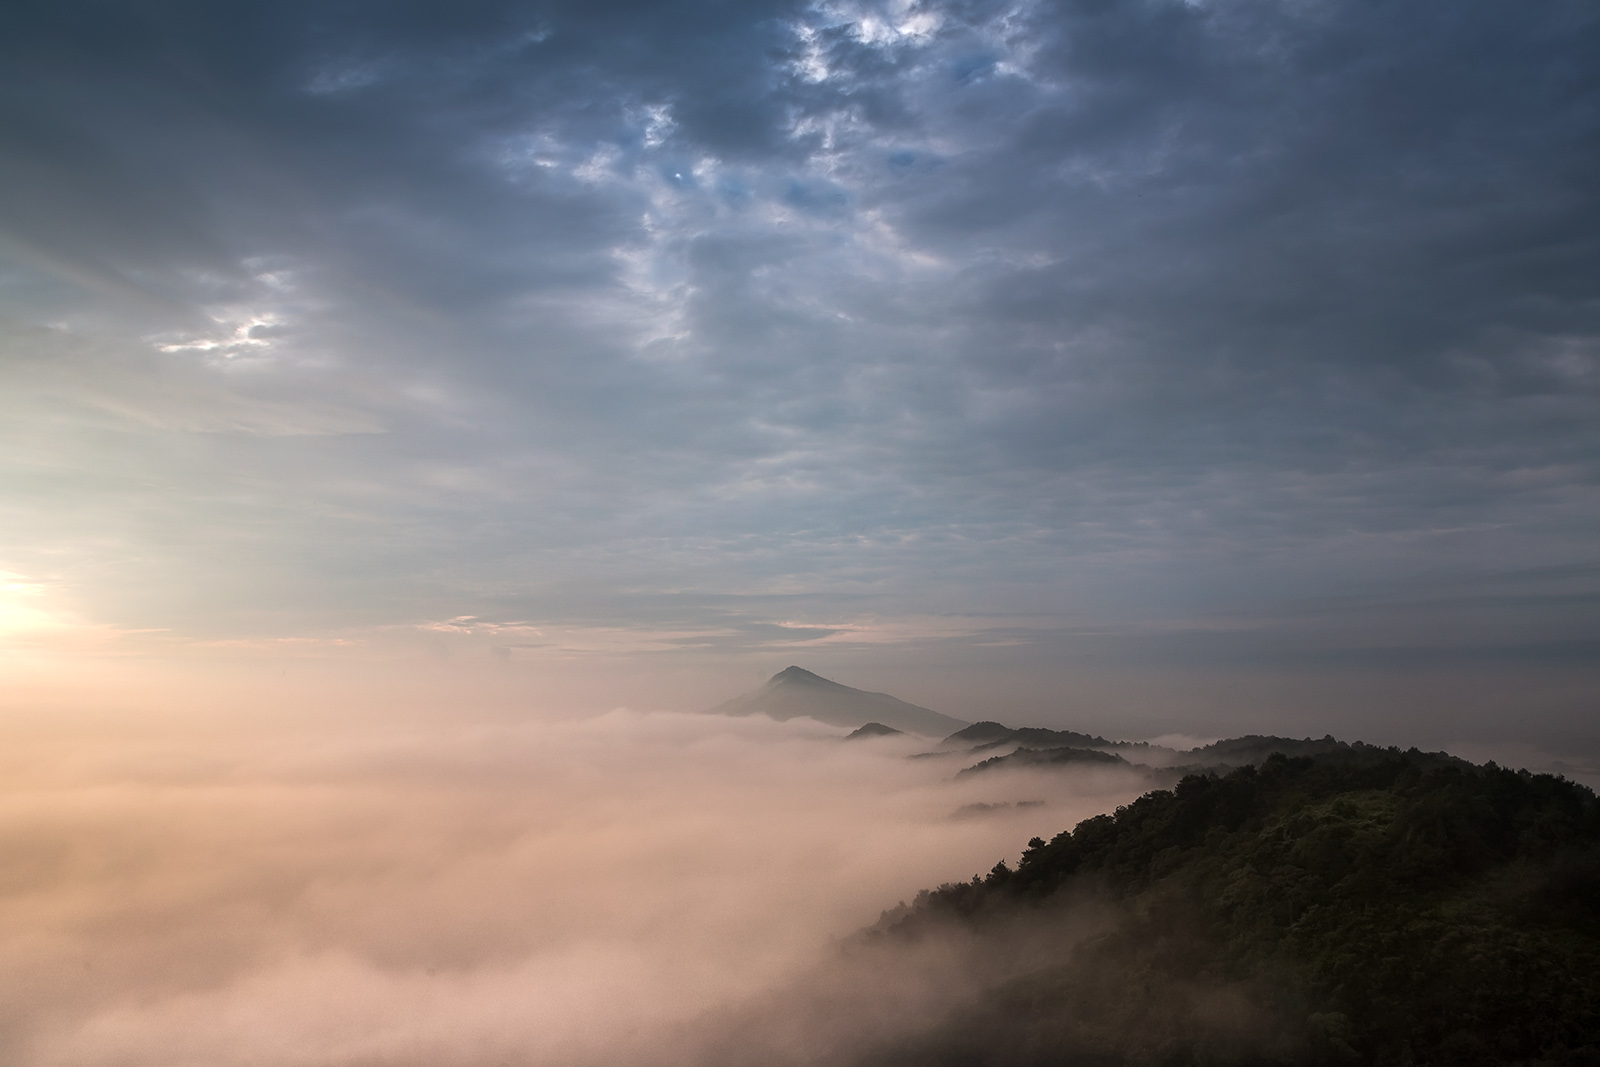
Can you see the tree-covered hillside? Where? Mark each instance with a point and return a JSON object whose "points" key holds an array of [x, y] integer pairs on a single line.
{"points": [[1361, 906]]}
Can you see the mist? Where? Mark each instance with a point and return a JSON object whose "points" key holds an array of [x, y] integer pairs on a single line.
{"points": [[453, 889]]}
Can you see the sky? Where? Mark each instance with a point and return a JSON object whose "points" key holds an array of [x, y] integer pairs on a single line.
{"points": [[1129, 364]]}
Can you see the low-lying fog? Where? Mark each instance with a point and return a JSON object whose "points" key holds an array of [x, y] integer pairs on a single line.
{"points": [[634, 888]]}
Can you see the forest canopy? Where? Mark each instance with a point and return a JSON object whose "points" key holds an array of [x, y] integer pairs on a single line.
{"points": [[1362, 905]]}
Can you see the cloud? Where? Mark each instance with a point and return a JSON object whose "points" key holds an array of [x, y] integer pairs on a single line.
{"points": [[1120, 315], [340, 887]]}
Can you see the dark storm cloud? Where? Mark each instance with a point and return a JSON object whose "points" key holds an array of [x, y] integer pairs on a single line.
{"points": [[1132, 310]]}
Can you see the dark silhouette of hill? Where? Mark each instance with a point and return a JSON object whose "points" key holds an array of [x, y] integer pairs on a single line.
{"points": [[989, 734], [874, 729], [1050, 757], [1039, 747], [1355, 905], [971, 811], [979, 733], [796, 692], [1253, 748]]}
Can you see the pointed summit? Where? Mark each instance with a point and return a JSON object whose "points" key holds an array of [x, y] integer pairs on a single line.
{"points": [[797, 675], [795, 692], [874, 729]]}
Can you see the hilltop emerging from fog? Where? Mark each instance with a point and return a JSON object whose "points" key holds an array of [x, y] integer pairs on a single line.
{"points": [[1354, 906], [794, 693], [1293, 902]]}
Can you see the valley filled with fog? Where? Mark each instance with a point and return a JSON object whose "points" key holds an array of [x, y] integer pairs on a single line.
{"points": [[444, 889]]}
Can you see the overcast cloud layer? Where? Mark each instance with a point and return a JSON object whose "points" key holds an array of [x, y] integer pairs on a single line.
{"points": [[1258, 335]]}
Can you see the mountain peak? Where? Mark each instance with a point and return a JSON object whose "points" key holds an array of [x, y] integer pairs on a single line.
{"points": [[874, 729], [797, 674], [794, 692]]}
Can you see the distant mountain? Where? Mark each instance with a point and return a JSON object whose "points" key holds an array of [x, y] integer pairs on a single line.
{"points": [[1253, 748], [1052, 757], [796, 692], [1039, 747], [980, 733], [992, 734], [875, 729]]}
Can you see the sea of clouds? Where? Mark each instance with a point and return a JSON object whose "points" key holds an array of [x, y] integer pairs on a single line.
{"points": [[312, 890]]}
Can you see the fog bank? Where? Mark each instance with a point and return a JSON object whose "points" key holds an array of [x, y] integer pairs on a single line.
{"points": [[452, 889]]}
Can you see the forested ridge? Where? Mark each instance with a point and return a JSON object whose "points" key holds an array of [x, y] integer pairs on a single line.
{"points": [[1363, 905]]}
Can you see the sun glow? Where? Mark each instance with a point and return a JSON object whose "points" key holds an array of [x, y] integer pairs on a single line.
{"points": [[25, 609]]}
